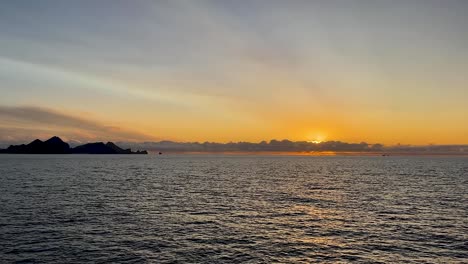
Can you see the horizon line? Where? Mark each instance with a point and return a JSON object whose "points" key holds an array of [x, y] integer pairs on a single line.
{"points": [[265, 141], [285, 146]]}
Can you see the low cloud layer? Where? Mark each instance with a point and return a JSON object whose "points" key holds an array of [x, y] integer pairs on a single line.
{"points": [[296, 146]]}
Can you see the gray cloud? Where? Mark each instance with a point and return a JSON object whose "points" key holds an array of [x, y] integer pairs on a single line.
{"points": [[28, 122], [271, 146], [285, 146]]}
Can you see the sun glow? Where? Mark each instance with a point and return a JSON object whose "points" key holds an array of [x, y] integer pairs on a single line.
{"points": [[316, 138]]}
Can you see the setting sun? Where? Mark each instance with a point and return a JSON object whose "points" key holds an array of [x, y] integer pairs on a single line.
{"points": [[316, 138]]}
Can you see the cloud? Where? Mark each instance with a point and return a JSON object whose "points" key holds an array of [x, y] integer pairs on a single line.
{"points": [[20, 123], [271, 146], [304, 147]]}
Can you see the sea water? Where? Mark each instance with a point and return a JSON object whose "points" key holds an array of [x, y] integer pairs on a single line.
{"points": [[233, 209]]}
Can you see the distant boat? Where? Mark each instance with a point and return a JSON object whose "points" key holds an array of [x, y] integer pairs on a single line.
{"points": [[160, 153]]}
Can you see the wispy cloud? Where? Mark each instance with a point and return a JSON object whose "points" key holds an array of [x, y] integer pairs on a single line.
{"points": [[23, 122]]}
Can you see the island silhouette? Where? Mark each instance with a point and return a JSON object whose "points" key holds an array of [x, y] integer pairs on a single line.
{"points": [[56, 145]]}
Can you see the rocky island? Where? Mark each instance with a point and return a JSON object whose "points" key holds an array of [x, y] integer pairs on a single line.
{"points": [[55, 145]]}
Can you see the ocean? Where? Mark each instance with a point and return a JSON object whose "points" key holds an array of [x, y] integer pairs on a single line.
{"points": [[233, 209]]}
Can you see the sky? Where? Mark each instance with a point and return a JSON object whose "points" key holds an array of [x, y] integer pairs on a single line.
{"points": [[375, 71]]}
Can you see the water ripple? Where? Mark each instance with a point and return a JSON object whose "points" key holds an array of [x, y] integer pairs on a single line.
{"points": [[232, 209]]}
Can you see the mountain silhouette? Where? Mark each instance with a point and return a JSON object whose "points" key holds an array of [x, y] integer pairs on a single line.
{"points": [[118, 149], [101, 148], [55, 145]]}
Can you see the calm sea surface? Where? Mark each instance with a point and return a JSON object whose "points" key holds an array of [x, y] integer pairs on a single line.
{"points": [[240, 209]]}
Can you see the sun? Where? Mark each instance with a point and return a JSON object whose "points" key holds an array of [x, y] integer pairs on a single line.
{"points": [[316, 138]]}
